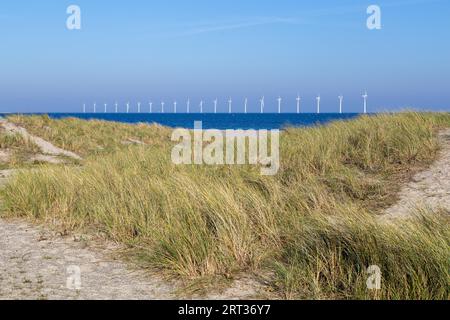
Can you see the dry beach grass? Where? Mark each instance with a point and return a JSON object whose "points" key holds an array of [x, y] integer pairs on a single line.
{"points": [[314, 226], [14, 150]]}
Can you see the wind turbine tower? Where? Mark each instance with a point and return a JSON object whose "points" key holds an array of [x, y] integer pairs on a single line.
{"points": [[229, 105], [188, 106], [201, 106], [245, 105], [215, 106], [128, 107], [106, 105], [298, 103], [139, 107], [162, 106], [150, 104], [279, 104], [84, 107], [117, 107], [318, 103], [341, 98], [365, 96], [262, 104], [175, 107], [95, 107]]}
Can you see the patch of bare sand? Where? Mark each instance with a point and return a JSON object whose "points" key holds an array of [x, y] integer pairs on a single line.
{"points": [[5, 155], [36, 264]]}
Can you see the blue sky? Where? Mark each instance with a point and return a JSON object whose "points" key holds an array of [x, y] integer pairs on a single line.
{"points": [[169, 50]]}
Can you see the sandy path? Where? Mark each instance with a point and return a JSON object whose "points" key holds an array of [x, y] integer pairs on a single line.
{"points": [[429, 188], [34, 264]]}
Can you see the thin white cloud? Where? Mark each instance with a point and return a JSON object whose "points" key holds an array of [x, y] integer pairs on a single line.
{"points": [[408, 2], [301, 18], [234, 25]]}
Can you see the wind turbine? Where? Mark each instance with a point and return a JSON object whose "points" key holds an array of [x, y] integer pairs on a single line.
{"points": [[341, 98], [201, 106], [175, 107], [279, 104], [150, 104], [365, 96], [128, 107], [95, 107], [162, 106], [84, 107], [298, 103], [106, 105], [188, 105], [245, 105], [229, 105], [262, 104], [318, 103], [117, 107], [215, 106], [139, 107]]}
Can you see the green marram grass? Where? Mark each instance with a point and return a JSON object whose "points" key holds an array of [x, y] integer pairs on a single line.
{"points": [[314, 225]]}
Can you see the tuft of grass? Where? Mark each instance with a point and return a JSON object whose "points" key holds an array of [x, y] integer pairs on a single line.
{"points": [[8, 141], [314, 223], [17, 147], [327, 258]]}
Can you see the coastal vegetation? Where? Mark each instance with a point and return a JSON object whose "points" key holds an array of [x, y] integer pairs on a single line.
{"points": [[314, 228]]}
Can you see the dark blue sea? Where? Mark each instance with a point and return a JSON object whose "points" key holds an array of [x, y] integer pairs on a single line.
{"points": [[215, 121]]}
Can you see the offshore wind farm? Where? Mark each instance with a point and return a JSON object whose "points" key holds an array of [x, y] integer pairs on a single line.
{"points": [[227, 113], [244, 109]]}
